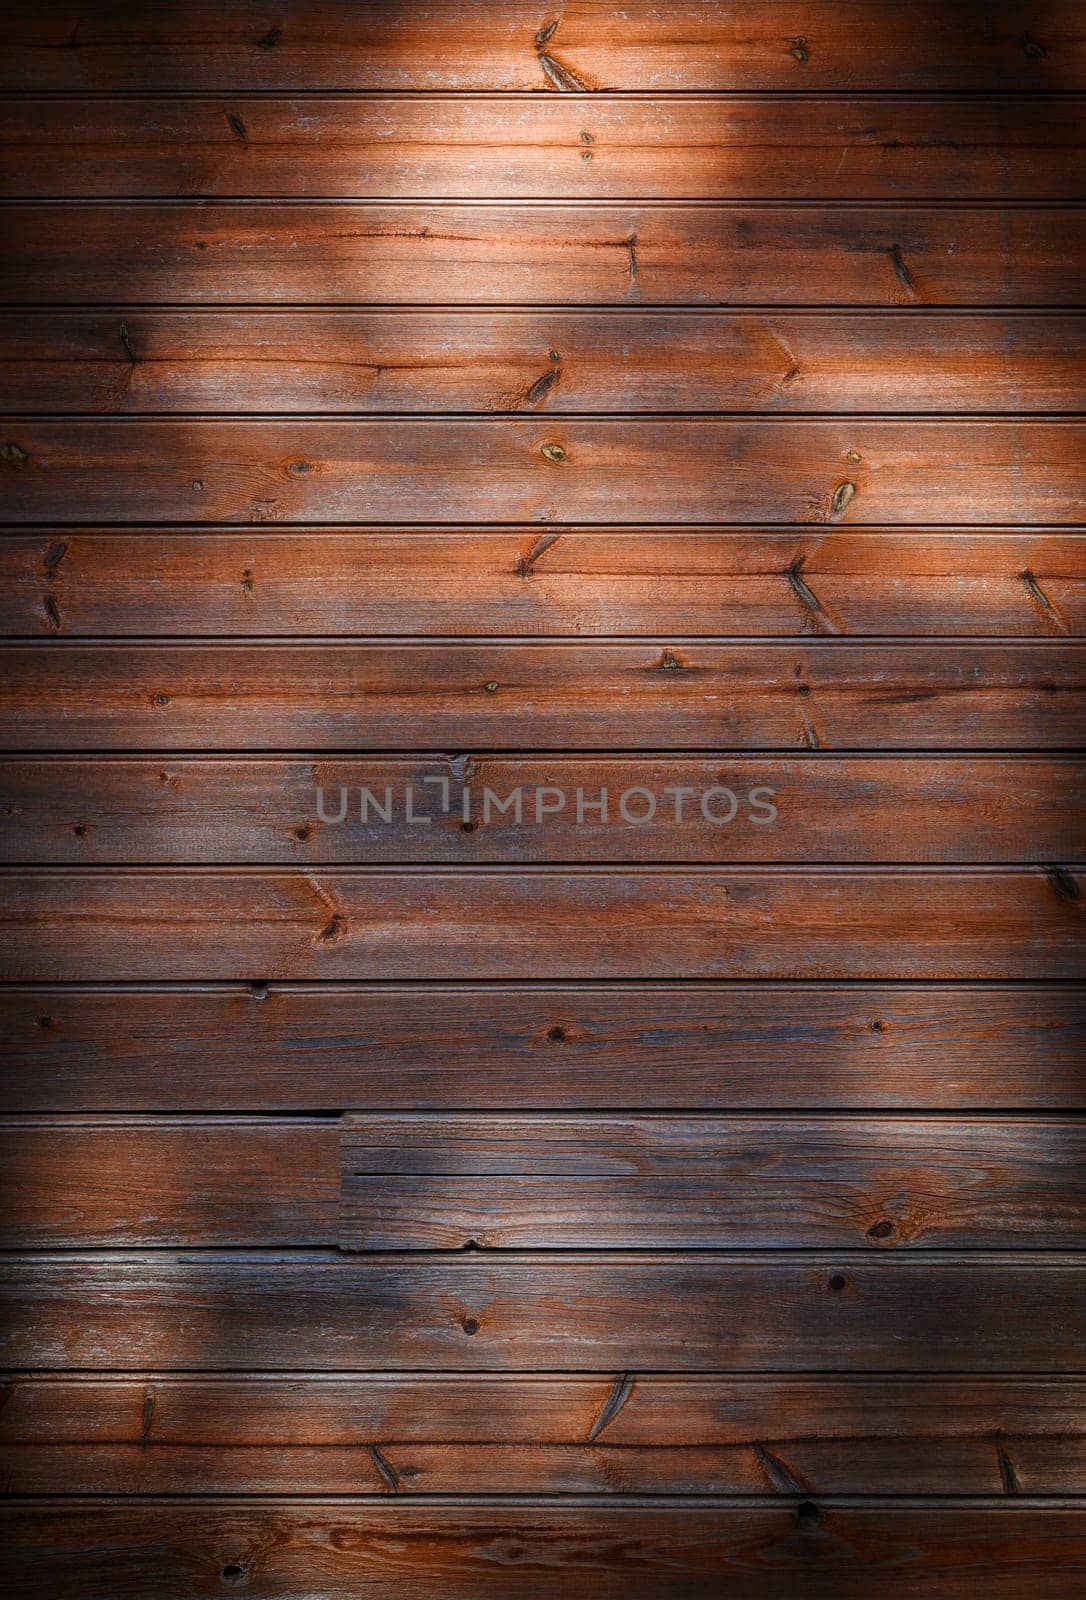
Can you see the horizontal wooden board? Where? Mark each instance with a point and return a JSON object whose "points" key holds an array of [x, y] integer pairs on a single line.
{"points": [[544, 147], [696, 44], [541, 253], [461, 1550], [561, 1047], [192, 1182], [828, 695], [544, 470], [427, 1183], [119, 810], [524, 1434], [559, 362], [571, 581], [748, 1312], [412, 1182], [489, 923]]}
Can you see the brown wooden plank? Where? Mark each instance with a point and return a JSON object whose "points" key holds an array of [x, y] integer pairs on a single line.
{"points": [[477, 361], [779, 1311], [520, 581], [120, 810], [490, 923], [527, 1434], [442, 1183], [561, 1047], [827, 695], [421, 1183], [193, 1181], [541, 253], [754, 470], [696, 44], [460, 1550], [544, 147]]}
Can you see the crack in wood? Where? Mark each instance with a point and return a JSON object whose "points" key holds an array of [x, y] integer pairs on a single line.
{"points": [[901, 271], [526, 564], [1038, 596], [805, 594], [385, 1468], [1063, 883], [621, 1391], [779, 1475]]}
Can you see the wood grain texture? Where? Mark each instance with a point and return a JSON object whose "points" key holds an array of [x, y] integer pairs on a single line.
{"points": [[755, 470], [129, 810], [694, 45], [443, 1183], [491, 923], [197, 1182], [541, 253], [560, 1047], [572, 581], [550, 363], [525, 1434], [748, 1312], [544, 148], [827, 695], [586, 1183], [460, 1550]]}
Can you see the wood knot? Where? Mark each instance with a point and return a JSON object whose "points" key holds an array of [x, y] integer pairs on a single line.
{"points": [[1033, 49], [808, 1515], [553, 452], [843, 493], [798, 49], [670, 662], [13, 453], [881, 1230]]}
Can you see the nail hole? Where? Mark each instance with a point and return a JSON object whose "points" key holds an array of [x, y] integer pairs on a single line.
{"points": [[491, 687], [808, 1514], [45, 1022], [837, 1282], [877, 1025], [233, 1570], [557, 1033], [469, 826], [258, 988], [302, 833], [470, 1325], [198, 484], [160, 699], [79, 830]]}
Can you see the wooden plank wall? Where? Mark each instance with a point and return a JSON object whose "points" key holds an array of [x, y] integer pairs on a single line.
{"points": [[453, 400]]}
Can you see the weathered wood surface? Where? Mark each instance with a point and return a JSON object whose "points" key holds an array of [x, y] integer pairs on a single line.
{"points": [[542, 253], [492, 923], [560, 1047], [460, 1550], [694, 45], [774, 1312], [544, 470], [700, 1550], [576, 581], [557, 362], [827, 695], [544, 148], [376, 1434], [196, 1182], [425, 1183], [118, 810]]}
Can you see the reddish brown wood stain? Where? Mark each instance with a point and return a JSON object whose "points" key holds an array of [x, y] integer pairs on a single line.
{"points": [[493, 399]]}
